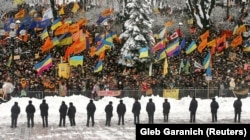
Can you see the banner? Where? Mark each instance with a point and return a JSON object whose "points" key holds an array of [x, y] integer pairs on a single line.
{"points": [[64, 70], [171, 93], [109, 93]]}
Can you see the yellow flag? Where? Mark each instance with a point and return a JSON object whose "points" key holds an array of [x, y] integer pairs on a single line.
{"points": [[165, 67], [241, 29], [169, 23], [18, 2], [190, 21], [75, 7], [61, 11]]}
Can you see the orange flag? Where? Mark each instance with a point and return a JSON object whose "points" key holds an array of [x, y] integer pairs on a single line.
{"points": [[62, 29], [68, 52], [213, 50], [78, 35], [24, 37], [102, 55], [212, 43], [228, 33], [107, 12], [20, 14], [202, 45], [47, 45], [204, 35], [92, 51], [74, 28], [82, 22], [79, 46], [236, 41]]}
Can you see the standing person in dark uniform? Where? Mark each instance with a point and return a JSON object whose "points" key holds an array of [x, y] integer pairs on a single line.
{"points": [[91, 112], [63, 111], [71, 114], [166, 108], [121, 110], [30, 110], [136, 109], [150, 108], [192, 108], [15, 111], [237, 109], [109, 113], [44, 107], [214, 107]]}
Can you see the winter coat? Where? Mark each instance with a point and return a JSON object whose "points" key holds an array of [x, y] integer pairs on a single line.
{"points": [[15, 111], [71, 111], [121, 109], [136, 108], [63, 110], [109, 110], [166, 107], [214, 106], [150, 108], [193, 105], [30, 109], [91, 108], [44, 107], [237, 106]]}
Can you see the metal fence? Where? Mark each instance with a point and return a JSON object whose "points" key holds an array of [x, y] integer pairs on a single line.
{"points": [[199, 93]]}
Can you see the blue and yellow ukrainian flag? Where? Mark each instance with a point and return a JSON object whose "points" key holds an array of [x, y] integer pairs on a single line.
{"points": [[98, 66]]}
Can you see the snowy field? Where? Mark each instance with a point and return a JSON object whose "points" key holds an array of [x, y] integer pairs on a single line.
{"points": [[179, 114]]}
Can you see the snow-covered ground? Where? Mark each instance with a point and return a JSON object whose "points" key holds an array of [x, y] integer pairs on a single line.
{"points": [[179, 114]]}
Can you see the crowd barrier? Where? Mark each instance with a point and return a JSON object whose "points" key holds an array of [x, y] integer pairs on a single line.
{"points": [[167, 93]]}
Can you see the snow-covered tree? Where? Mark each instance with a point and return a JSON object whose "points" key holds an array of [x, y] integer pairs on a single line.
{"points": [[137, 32], [201, 11]]}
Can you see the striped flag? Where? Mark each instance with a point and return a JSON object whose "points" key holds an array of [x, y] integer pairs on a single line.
{"points": [[76, 61], [98, 66]]}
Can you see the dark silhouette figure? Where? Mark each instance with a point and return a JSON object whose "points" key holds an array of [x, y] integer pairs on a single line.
{"points": [[91, 108], [150, 108], [44, 107], [63, 111], [71, 114], [166, 108], [192, 108], [109, 113], [136, 109], [30, 110], [214, 107], [15, 111], [237, 109], [121, 110]]}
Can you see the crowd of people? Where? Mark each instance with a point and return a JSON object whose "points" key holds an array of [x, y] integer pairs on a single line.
{"points": [[121, 109], [232, 65]]}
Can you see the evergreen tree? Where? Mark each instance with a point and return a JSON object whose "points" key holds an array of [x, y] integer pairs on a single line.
{"points": [[137, 32], [201, 11]]}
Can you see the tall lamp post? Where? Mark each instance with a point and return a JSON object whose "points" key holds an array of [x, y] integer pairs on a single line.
{"points": [[13, 37]]}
